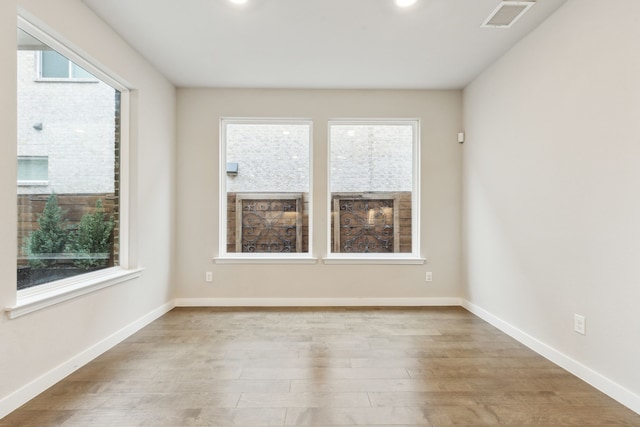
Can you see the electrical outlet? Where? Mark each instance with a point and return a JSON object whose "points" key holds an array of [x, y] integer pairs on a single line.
{"points": [[208, 276], [428, 277], [579, 324]]}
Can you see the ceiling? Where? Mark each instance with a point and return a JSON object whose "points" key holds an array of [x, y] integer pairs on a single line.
{"points": [[372, 44]]}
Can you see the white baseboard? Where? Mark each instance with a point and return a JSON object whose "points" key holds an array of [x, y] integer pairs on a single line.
{"points": [[40, 384], [37, 386], [597, 380], [316, 302]]}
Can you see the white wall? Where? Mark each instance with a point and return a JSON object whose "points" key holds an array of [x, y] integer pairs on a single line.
{"points": [[199, 111], [551, 172], [32, 345]]}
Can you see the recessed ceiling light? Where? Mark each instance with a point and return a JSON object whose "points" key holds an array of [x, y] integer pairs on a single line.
{"points": [[405, 3], [238, 1]]}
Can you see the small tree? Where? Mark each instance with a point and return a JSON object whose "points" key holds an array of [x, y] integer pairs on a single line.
{"points": [[90, 241], [49, 240]]}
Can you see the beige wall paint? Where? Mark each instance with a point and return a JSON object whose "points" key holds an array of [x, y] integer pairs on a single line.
{"points": [[8, 129], [551, 173], [199, 112], [32, 345]]}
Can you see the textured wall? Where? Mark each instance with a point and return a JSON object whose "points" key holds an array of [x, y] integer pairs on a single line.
{"points": [[365, 158], [77, 133], [275, 157], [270, 157]]}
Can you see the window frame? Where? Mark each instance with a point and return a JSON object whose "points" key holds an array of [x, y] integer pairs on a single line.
{"points": [[33, 182], [70, 77], [38, 297], [413, 257], [223, 256]]}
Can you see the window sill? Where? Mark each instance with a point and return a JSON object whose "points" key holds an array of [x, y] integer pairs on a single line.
{"points": [[43, 296], [264, 259], [66, 80], [373, 259], [33, 183]]}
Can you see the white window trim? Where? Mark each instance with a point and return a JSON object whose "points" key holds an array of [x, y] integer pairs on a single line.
{"points": [[38, 297], [43, 296], [396, 258], [225, 257], [71, 55], [263, 258], [375, 259]]}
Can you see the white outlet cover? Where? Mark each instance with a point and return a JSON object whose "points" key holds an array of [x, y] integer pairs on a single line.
{"points": [[579, 324]]}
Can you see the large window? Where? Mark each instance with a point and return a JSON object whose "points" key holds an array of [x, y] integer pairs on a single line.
{"points": [[68, 165], [373, 187], [266, 180]]}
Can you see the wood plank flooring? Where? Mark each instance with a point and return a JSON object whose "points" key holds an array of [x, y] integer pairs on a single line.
{"points": [[320, 367]]}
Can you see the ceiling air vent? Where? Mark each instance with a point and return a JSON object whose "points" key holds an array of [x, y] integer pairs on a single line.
{"points": [[507, 13]]}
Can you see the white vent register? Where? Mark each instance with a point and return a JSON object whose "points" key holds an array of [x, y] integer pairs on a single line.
{"points": [[507, 13]]}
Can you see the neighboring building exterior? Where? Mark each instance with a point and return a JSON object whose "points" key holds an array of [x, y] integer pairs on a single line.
{"points": [[362, 159], [68, 146], [68, 142], [268, 184], [270, 158]]}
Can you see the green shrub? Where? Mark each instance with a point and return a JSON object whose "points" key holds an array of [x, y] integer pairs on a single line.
{"points": [[90, 241], [50, 239]]}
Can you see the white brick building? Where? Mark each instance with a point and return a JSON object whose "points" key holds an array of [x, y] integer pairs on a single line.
{"points": [[275, 158], [65, 132]]}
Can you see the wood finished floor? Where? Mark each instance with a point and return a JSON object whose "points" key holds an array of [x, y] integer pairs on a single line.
{"points": [[320, 367]]}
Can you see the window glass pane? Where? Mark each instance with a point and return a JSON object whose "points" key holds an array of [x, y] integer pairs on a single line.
{"points": [[267, 179], [33, 169], [68, 135], [54, 65], [371, 183], [77, 72]]}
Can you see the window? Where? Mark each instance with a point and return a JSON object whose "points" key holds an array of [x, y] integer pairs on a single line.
{"points": [[265, 180], [69, 144], [55, 66], [33, 170], [373, 183]]}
